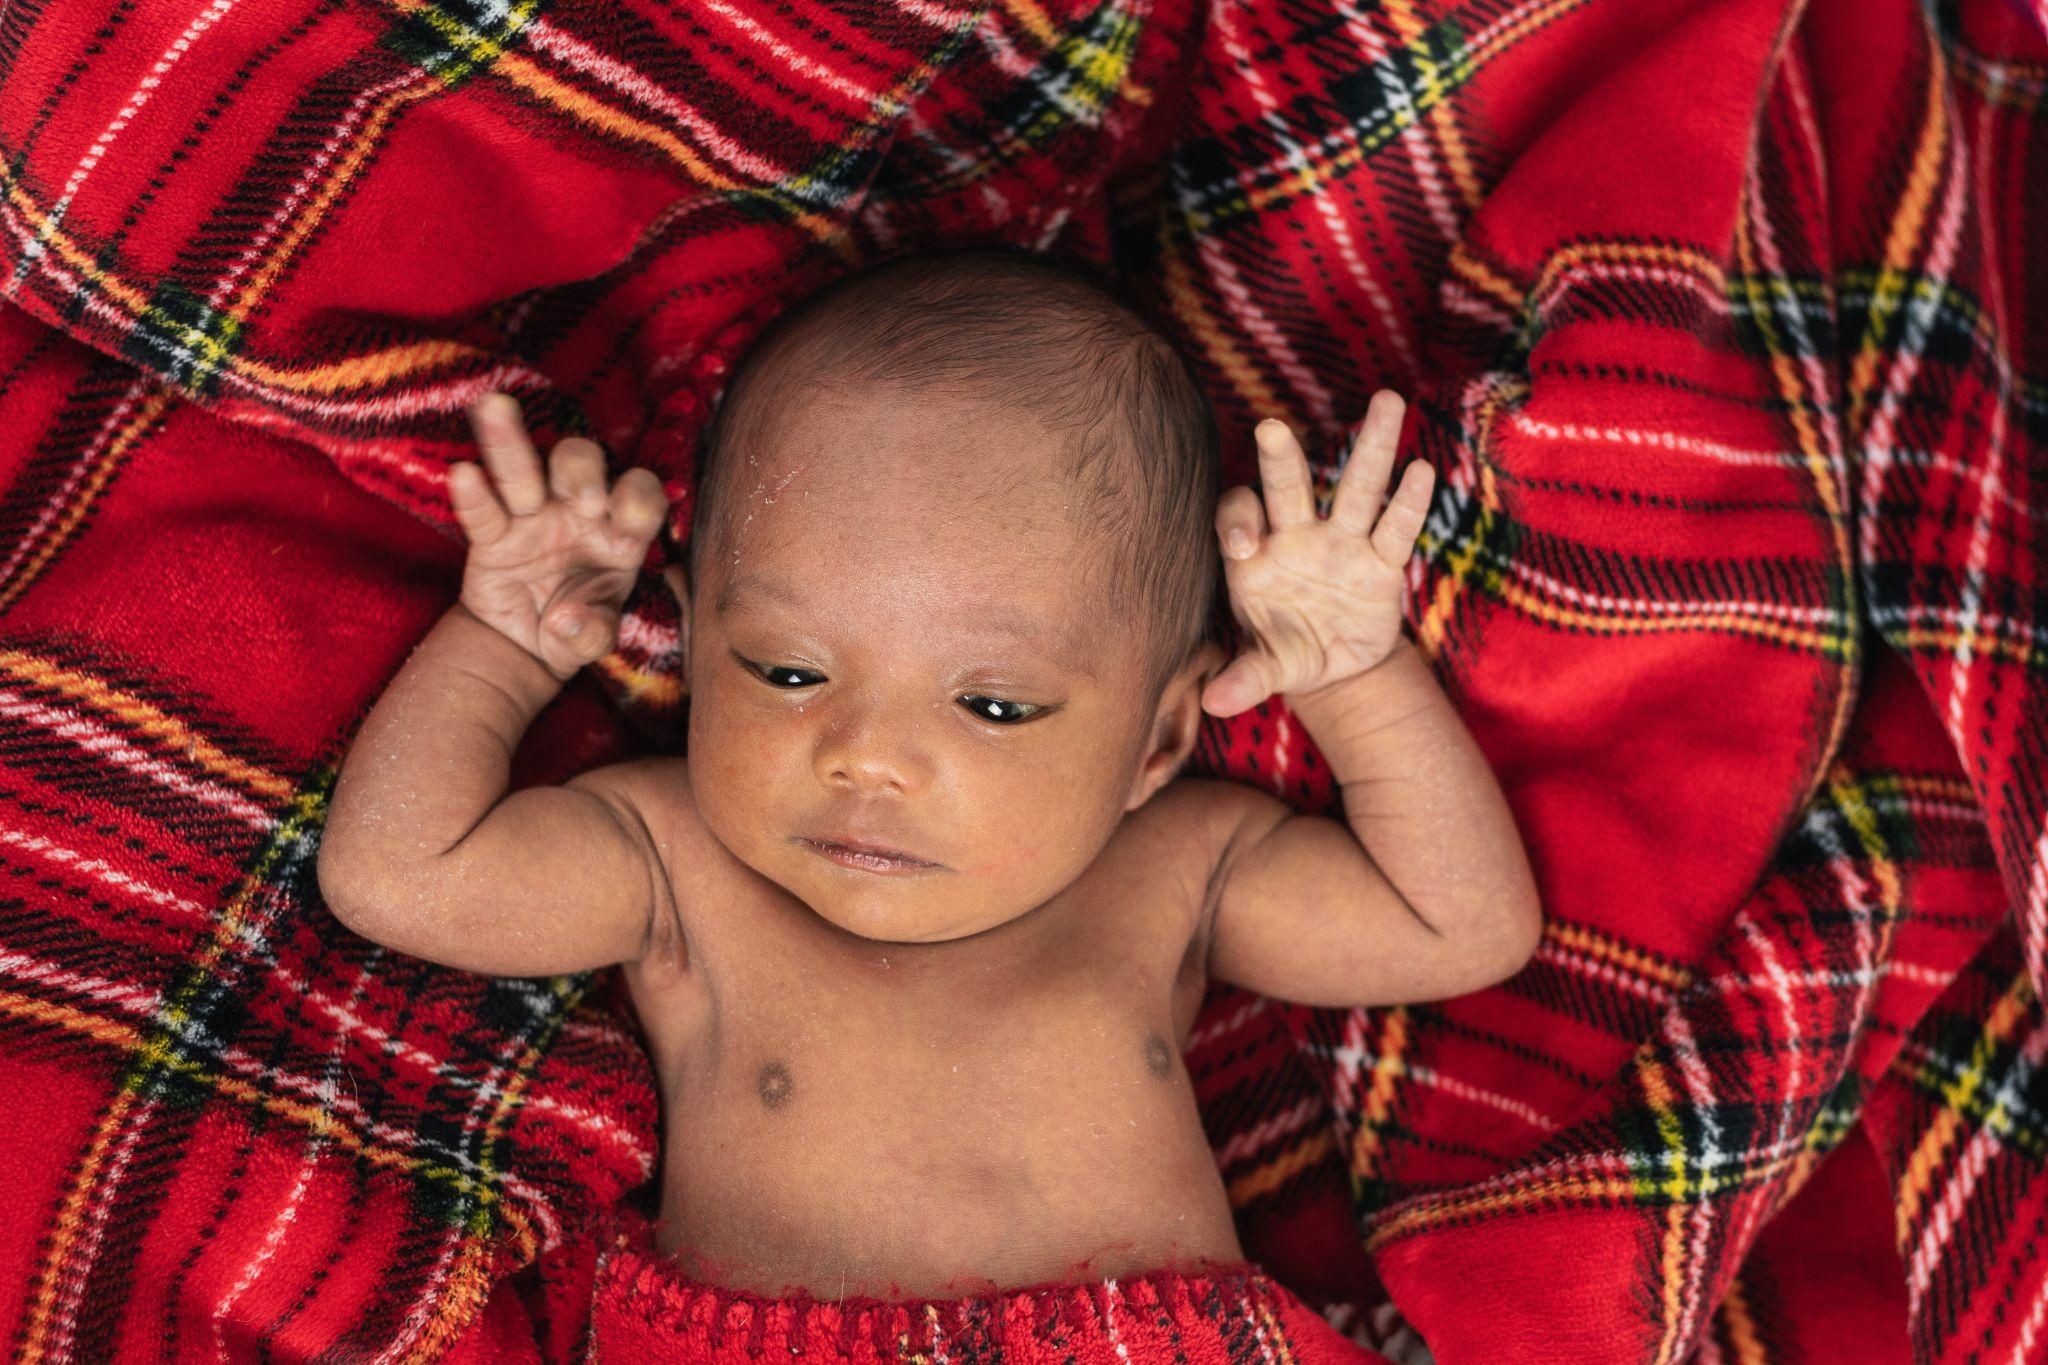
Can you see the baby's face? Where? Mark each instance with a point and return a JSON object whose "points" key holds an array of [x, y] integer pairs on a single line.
{"points": [[899, 648]]}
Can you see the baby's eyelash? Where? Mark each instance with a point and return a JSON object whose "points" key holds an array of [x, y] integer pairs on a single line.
{"points": [[807, 677], [976, 705], [994, 710]]}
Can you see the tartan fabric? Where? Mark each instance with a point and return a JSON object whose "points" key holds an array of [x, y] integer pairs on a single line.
{"points": [[642, 1309], [1717, 318]]}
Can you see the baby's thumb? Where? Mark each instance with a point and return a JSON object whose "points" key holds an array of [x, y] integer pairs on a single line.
{"points": [[1249, 680], [586, 629]]}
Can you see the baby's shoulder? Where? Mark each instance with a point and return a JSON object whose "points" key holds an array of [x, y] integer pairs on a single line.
{"points": [[1203, 812], [654, 791], [1188, 830], [652, 796]]}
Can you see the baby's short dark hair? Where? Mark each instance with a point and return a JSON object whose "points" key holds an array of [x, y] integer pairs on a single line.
{"points": [[1023, 333]]}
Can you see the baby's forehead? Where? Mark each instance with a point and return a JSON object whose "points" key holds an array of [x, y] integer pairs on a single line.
{"points": [[970, 458], [931, 498]]}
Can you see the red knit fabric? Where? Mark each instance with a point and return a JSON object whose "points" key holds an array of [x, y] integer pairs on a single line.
{"points": [[643, 1310], [1723, 321]]}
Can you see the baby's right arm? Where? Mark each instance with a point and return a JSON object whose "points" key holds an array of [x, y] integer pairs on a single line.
{"points": [[423, 851]]}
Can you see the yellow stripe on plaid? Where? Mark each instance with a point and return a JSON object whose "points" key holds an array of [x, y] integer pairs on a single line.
{"points": [[477, 48], [1443, 115], [373, 367], [1640, 963], [1276, 1335], [168, 730], [1265, 1179], [1672, 1269], [1788, 366], [152, 1054], [1185, 303], [470, 1283], [1931, 1154], [1851, 796], [111, 457], [1535, 1194], [1443, 81], [1462, 567], [1663, 1101], [1091, 73], [312, 1117], [1828, 644], [172, 1019], [1742, 1337], [341, 172], [1629, 253], [1431, 625], [1542, 1194], [1466, 265], [513, 1096], [2021, 650], [403, 362], [1100, 68], [1388, 1067], [1929, 158], [609, 119]]}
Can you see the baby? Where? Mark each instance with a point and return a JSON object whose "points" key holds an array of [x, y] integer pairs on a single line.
{"points": [[919, 925]]}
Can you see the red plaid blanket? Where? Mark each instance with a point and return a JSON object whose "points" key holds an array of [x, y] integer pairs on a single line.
{"points": [[1728, 344]]}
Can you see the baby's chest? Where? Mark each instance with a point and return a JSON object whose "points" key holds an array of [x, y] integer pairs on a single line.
{"points": [[1077, 1031], [1000, 1106]]}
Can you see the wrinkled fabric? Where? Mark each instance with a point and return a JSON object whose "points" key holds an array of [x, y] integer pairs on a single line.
{"points": [[1719, 319]]}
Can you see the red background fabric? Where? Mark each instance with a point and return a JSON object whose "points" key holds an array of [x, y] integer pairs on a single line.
{"points": [[1718, 318]]}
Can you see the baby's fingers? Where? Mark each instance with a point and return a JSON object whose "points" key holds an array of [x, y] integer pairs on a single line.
{"points": [[1249, 680], [1364, 479], [508, 453], [1393, 540], [477, 509], [638, 503], [1240, 523], [576, 475], [1283, 473]]}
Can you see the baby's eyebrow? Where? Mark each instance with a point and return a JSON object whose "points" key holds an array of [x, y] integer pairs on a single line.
{"points": [[1063, 649], [749, 586]]}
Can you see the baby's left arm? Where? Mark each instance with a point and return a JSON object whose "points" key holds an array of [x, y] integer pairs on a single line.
{"points": [[1428, 892]]}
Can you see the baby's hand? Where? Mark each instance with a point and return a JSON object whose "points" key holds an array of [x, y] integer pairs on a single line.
{"points": [[550, 560], [1320, 600]]}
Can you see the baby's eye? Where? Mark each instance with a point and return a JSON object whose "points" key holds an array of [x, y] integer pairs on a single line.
{"points": [[1001, 712], [779, 675]]}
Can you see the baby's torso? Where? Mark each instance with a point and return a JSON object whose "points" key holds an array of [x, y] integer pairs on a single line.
{"points": [[848, 1116]]}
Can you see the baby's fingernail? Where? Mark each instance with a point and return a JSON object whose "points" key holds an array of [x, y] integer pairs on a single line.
{"points": [[1237, 542]]}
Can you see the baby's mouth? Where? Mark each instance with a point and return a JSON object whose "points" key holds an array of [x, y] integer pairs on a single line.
{"points": [[866, 857]]}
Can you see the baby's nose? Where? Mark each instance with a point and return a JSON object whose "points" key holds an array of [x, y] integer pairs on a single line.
{"points": [[866, 751]]}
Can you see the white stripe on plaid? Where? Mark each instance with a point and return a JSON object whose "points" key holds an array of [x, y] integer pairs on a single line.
{"points": [[112, 750]]}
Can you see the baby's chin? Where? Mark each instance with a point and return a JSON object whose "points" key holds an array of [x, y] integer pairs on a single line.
{"points": [[888, 915], [933, 908]]}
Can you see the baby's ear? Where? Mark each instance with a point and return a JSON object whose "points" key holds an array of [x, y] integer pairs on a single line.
{"points": [[679, 584], [1176, 724]]}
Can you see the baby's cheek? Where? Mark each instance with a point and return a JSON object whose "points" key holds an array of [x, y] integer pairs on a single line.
{"points": [[1043, 843], [736, 774]]}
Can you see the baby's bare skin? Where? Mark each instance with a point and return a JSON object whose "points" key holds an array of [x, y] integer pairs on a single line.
{"points": [[1012, 1106], [955, 1062]]}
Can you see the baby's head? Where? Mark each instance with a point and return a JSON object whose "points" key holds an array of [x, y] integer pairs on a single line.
{"points": [[951, 567]]}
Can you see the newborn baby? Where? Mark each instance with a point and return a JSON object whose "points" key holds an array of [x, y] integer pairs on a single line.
{"points": [[918, 926]]}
